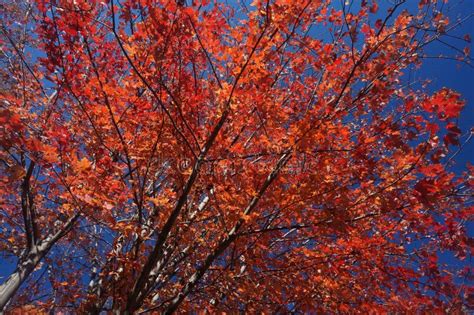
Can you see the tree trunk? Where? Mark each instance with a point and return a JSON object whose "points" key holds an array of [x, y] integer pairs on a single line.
{"points": [[28, 263], [24, 268]]}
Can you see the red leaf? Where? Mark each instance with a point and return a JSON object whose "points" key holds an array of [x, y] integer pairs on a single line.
{"points": [[374, 8]]}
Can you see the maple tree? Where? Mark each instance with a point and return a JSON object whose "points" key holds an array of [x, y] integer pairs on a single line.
{"points": [[261, 157]]}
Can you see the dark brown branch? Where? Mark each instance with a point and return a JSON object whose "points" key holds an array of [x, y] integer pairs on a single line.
{"points": [[227, 240]]}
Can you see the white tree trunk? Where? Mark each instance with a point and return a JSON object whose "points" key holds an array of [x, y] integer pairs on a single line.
{"points": [[24, 268], [27, 264]]}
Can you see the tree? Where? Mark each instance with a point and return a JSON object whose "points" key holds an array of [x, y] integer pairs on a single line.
{"points": [[30, 219], [270, 157]]}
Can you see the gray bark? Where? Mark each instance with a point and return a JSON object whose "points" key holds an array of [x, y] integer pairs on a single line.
{"points": [[24, 268], [27, 264]]}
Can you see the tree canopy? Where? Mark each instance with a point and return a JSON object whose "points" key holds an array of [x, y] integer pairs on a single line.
{"points": [[256, 156]]}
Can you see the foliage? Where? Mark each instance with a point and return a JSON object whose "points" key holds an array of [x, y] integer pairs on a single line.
{"points": [[263, 157]]}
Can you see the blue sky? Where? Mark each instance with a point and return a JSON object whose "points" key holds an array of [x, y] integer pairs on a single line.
{"points": [[453, 74]]}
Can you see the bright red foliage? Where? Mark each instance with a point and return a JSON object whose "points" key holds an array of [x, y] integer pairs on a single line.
{"points": [[264, 157]]}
